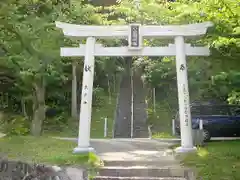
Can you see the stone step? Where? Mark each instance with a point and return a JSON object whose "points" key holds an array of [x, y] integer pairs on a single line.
{"points": [[136, 178], [124, 163], [142, 171]]}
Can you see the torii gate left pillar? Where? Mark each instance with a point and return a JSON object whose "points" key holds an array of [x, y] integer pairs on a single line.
{"points": [[135, 33]]}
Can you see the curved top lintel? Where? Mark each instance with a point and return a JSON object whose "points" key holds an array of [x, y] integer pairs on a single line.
{"points": [[122, 31], [206, 24]]}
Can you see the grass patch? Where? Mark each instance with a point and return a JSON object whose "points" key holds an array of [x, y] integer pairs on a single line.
{"points": [[97, 124], [98, 115], [45, 150], [217, 161], [162, 120], [162, 135]]}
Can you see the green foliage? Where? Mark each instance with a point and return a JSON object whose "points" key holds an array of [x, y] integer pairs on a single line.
{"points": [[46, 150], [30, 43], [230, 86], [151, 116], [58, 122], [98, 97], [223, 40], [234, 97], [16, 125], [224, 154], [30, 47]]}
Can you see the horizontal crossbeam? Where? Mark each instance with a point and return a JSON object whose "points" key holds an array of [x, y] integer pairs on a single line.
{"points": [[147, 31], [124, 51]]}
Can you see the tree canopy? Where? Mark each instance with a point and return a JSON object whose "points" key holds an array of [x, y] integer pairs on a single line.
{"points": [[33, 76]]}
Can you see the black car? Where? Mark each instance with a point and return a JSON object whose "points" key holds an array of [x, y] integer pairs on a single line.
{"points": [[218, 120]]}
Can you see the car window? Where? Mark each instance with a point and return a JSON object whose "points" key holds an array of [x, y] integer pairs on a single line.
{"points": [[196, 110], [220, 110], [209, 110]]}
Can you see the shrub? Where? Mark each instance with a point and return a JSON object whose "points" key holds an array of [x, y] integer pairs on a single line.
{"points": [[98, 94], [56, 123], [16, 125]]}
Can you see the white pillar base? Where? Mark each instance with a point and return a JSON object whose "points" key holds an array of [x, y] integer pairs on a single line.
{"points": [[82, 150], [185, 150]]}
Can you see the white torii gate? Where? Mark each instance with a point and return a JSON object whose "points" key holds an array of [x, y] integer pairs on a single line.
{"points": [[135, 34]]}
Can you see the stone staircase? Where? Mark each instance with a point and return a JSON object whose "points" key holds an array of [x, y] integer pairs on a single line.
{"points": [[139, 159], [122, 127], [142, 170], [122, 124], [139, 108]]}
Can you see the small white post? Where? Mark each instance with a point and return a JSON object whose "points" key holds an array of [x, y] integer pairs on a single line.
{"points": [[201, 133], [200, 124], [150, 131], [173, 127], [183, 98], [105, 127], [86, 99]]}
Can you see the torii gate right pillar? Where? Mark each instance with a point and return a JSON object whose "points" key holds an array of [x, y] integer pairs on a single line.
{"points": [[183, 97]]}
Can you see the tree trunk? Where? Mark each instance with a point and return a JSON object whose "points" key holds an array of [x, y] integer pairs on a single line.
{"points": [[154, 100], [109, 90], [74, 113], [23, 105], [114, 82], [38, 108]]}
